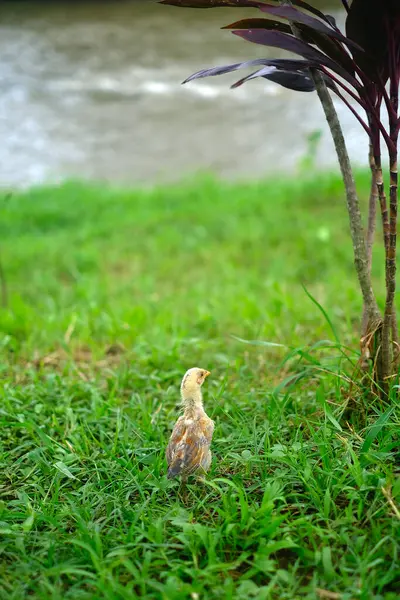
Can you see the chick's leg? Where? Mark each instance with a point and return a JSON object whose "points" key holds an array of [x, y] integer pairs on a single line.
{"points": [[205, 465], [182, 491], [201, 476]]}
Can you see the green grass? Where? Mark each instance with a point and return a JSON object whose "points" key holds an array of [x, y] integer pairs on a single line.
{"points": [[113, 294]]}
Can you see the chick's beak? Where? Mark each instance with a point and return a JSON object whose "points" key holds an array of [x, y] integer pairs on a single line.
{"points": [[207, 373]]}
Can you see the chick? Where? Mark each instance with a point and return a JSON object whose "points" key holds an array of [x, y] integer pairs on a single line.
{"points": [[188, 451]]}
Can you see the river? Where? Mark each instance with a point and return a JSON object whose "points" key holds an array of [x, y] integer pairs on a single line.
{"points": [[92, 90]]}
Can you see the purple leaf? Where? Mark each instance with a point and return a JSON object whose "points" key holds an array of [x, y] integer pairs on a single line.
{"points": [[371, 23], [259, 24], [286, 42], [328, 46], [246, 4], [293, 80], [210, 3], [299, 77], [332, 21], [335, 51], [292, 14], [273, 25], [312, 10], [283, 63]]}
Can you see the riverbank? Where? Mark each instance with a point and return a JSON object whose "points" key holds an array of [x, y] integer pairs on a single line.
{"points": [[111, 294]]}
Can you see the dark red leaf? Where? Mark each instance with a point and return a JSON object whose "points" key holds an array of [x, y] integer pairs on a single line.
{"points": [[313, 10], [332, 21], [211, 3], [273, 26], [292, 14], [242, 4], [309, 35], [282, 63], [371, 23], [299, 77], [364, 25], [286, 42], [245, 4], [259, 24], [293, 80], [328, 46]]}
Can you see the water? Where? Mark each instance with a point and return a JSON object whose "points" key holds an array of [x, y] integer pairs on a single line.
{"points": [[92, 90]]}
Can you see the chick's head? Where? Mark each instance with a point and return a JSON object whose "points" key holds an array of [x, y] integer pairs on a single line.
{"points": [[193, 380]]}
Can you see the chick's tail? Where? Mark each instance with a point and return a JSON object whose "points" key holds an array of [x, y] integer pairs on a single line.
{"points": [[178, 463]]}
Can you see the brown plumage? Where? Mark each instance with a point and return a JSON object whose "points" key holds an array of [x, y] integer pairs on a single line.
{"points": [[188, 451]]}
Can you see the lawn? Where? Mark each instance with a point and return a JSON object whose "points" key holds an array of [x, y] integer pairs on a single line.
{"points": [[112, 295]]}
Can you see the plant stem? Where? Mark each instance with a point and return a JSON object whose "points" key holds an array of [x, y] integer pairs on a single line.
{"points": [[382, 201], [390, 321], [357, 233], [353, 207], [386, 330], [385, 358], [373, 197], [390, 329]]}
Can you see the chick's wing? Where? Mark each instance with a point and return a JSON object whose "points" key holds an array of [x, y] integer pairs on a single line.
{"points": [[176, 437], [190, 447]]}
